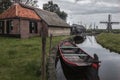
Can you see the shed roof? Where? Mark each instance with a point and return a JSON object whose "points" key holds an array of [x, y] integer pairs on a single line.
{"points": [[17, 11], [52, 19]]}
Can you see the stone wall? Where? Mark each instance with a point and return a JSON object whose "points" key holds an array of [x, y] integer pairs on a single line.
{"points": [[51, 71]]}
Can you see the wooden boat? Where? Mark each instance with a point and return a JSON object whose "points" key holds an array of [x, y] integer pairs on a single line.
{"points": [[76, 63]]}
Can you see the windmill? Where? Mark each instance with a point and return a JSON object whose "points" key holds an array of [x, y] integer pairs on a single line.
{"points": [[109, 23]]}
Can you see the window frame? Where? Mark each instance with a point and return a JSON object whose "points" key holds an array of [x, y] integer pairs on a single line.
{"points": [[1, 26], [33, 27]]}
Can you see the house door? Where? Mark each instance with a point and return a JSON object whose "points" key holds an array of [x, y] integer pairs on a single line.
{"points": [[2, 27], [8, 26]]}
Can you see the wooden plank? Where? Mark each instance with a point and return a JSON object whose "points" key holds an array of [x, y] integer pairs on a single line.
{"points": [[68, 47], [77, 60], [74, 54]]}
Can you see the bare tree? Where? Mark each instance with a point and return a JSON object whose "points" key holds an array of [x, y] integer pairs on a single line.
{"points": [[4, 4]]}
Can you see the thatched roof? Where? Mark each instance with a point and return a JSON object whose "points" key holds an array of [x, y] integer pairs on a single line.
{"points": [[52, 19]]}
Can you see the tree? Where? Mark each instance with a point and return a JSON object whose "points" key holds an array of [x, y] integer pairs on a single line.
{"points": [[50, 6], [4, 4], [27, 2]]}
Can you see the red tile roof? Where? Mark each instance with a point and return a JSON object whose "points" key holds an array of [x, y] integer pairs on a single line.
{"points": [[16, 10]]}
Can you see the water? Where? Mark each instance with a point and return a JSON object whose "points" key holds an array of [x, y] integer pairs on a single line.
{"points": [[110, 66], [59, 71]]}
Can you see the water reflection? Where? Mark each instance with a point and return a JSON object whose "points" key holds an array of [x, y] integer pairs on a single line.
{"points": [[59, 71], [109, 69]]}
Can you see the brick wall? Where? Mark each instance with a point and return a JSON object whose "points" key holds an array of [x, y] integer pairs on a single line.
{"points": [[15, 23], [24, 29], [39, 30], [16, 27]]}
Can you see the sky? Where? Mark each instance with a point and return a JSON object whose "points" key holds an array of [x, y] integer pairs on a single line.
{"points": [[89, 12]]}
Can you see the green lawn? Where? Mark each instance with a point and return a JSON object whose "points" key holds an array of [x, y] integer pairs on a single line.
{"points": [[20, 59], [110, 40]]}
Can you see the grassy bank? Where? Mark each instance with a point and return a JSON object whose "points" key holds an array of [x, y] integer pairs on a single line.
{"points": [[20, 58], [110, 41]]}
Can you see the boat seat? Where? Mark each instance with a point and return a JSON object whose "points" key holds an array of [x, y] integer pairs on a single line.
{"points": [[76, 59], [68, 47], [74, 54], [68, 51]]}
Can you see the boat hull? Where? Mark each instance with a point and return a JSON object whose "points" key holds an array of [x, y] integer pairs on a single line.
{"points": [[79, 72]]}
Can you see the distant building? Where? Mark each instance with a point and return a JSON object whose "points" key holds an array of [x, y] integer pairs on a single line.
{"points": [[25, 21], [77, 29]]}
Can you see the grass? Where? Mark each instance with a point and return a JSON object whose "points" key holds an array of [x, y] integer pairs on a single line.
{"points": [[110, 41], [20, 59]]}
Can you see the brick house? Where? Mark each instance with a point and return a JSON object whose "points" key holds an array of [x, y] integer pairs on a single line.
{"points": [[25, 21]]}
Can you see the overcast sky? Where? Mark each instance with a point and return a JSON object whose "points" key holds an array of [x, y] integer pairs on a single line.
{"points": [[88, 12]]}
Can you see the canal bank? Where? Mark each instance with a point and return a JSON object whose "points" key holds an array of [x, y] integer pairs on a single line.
{"points": [[110, 41]]}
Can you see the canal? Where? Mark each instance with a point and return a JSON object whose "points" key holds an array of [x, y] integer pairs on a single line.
{"points": [[110, 61]]}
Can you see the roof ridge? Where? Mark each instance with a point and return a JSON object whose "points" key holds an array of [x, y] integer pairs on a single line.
{"points": [[33, 8], [16, 10]]}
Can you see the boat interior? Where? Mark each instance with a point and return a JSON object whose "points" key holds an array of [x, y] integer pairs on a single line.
{"points": [[75, 54]]}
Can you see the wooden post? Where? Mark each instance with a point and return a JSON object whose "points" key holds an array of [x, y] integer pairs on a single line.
{"points": [[43, 35], [50, 43]]}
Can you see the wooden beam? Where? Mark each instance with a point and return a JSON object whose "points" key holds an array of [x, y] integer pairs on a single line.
{"points": [[50, 43], [43, 35]]}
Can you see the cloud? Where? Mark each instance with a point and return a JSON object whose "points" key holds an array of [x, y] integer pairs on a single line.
{"points": [[89, 6], [89, 11], [86, 6]]}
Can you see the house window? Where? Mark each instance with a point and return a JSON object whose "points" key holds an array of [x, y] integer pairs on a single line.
{"points": [[2, 26], [33, 27], [9, 26]]}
